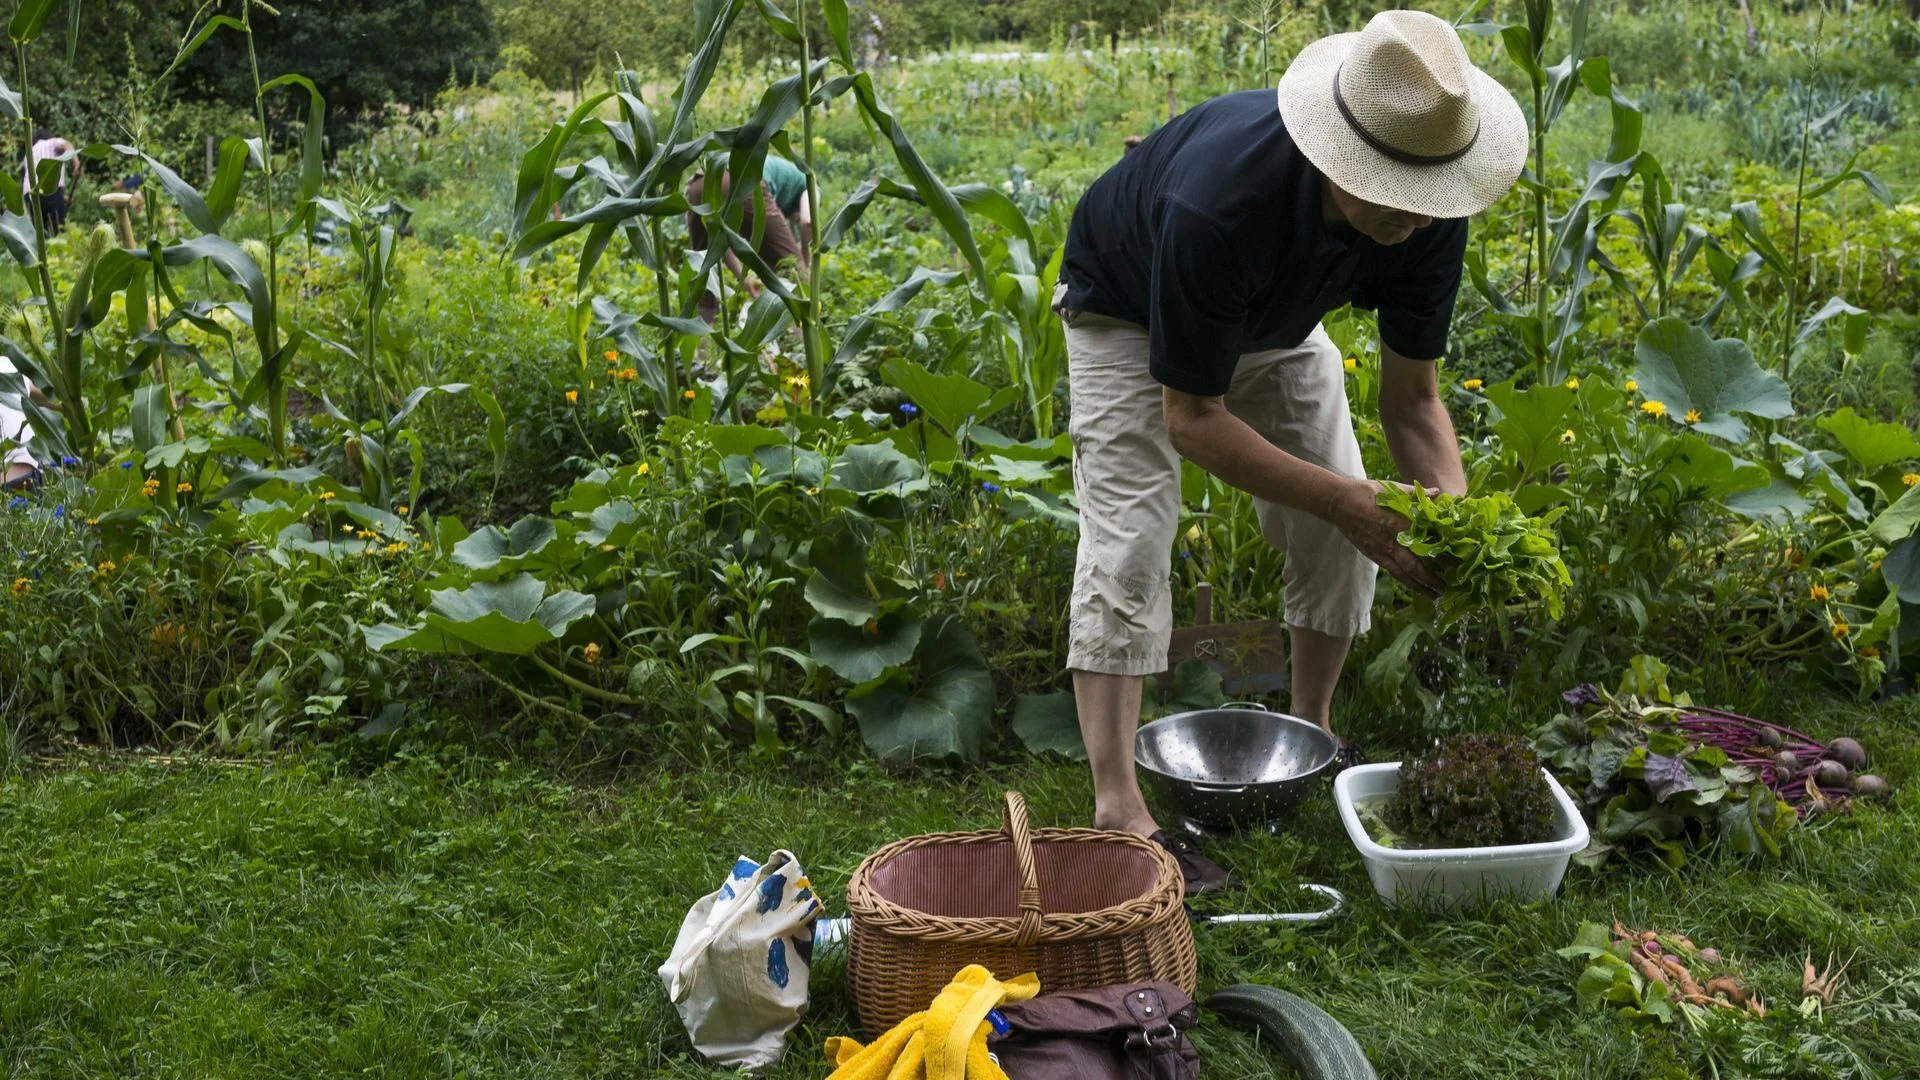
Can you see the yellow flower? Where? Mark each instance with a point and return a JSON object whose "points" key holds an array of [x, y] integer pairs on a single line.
{"points": [[1654, 408], [93, 521], [813, 491], [591, 654], [627, 374], [1350, 364], [798, 382], [325, 496], [1841, 629], [1573, 382], [366, 534], [21, 585], [1193, 534], [573, 397], [150, 488], [1911, 479], [1818, 592], [105, 567], [611, 356], [1566, 437], [1870, 653], [643, 469], [346, 526], [1472, 384], [396, 547], [1693, 416], [1632, 386], [688, 394], [402, 509], [182, 488]]}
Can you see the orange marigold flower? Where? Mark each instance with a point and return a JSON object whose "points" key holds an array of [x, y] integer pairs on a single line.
{"points": [[21, 586], [688, 394], [611, 356], [1819, 592], [1472, 384], [1841, 629], [573, 397]]}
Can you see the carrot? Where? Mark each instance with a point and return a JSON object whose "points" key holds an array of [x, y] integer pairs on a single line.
{"points": [[1682, 977], [1651, 970]]}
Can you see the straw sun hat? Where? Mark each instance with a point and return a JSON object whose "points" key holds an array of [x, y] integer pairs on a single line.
{"points": [[1398, 115]]}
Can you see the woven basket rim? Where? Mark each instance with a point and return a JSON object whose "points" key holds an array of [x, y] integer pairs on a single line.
{"points": [[873, 912]]}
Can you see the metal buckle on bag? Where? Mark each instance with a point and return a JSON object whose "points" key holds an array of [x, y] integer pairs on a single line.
{"points": [[1157, 1035]]}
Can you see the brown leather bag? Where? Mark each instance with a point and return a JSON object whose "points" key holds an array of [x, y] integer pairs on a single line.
{"points": [[1136, 1032]]}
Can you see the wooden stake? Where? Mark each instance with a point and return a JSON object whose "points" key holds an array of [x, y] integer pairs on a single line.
{"points": [[121, 203]]}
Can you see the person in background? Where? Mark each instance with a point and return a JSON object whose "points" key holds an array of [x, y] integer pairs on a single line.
{"points": [[53, 204], [789, 226], [18, 471]]}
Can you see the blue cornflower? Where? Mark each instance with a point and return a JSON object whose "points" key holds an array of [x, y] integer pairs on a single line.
{"points": [[60, 511], [18, 502], [126, 464], [909, 408], [69, 461], [1186, 554], [989, 487]]}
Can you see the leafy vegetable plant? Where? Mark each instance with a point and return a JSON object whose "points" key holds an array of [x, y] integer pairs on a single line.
{"points": [[1649, 772], [1490, 553], [1472, 790]]}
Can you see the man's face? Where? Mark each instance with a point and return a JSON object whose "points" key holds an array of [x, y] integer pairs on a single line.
{"points": [[1381, 224]]}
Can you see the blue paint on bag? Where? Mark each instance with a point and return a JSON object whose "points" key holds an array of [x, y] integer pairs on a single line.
{"points": [[726, 891], [772, 891], [777, 962], [745, 869]]}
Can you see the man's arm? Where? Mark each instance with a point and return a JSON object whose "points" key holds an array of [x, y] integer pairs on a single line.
{"points": [[1419, 430], [1205, 433]]}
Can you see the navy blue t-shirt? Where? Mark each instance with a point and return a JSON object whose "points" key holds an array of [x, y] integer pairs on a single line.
{"points": [[1211, 234]]}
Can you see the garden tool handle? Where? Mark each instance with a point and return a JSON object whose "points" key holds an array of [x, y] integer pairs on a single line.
{"points": [[1020, 833], [1336, 902]]}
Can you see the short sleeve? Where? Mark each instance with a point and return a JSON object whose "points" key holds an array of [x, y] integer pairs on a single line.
{"points": [[1196, 304], [1416, 307]]}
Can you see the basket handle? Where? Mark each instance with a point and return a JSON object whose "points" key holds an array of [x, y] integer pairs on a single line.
{"points": [[1021, 834]]}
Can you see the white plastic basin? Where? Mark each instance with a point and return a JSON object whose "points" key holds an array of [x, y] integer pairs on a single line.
{"points": [[1455, 877]]}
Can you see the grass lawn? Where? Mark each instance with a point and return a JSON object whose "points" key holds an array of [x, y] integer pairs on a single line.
{"points": [[480, 919]]}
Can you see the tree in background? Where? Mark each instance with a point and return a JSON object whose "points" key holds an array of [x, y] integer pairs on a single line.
{"points": [[364, 55]]}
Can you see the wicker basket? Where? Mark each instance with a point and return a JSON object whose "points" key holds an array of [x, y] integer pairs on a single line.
{"points": [[1083, 908]]}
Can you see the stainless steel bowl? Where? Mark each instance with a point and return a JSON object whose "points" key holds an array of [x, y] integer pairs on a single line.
{"points": [[1231, 767]]}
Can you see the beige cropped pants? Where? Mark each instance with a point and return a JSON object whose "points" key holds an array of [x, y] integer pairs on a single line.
{"points": [[1126, 476]]}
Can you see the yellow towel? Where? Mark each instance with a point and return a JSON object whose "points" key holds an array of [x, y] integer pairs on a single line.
{"points": [[946, 1042]]}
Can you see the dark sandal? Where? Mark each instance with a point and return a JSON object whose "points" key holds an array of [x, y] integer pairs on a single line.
{"points": [[1346, 755], [1202, 875]]}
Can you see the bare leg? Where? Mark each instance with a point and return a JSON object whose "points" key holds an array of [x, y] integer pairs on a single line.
{"points": [[1317, 660], [16, 471], [1109, 707]]}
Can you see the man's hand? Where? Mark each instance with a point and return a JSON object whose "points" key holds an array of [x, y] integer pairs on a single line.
{"points": [[1376, 530]]}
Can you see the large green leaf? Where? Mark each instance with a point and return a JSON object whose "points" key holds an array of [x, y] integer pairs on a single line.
{"points": [[1049, 724], [29, 18], [863, 653], [1899, 521], [1699, 466], [943, 709], [1777, 502], [1901, 568], [514, 617], [490, 546], [1874, 445], [839, 587], [1531, 422], [950, 400], [876, 468], [312, 141], [1679, 365]]}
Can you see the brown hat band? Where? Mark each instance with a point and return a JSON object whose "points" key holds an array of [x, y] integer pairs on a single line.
{"points": [[1391, 151]]}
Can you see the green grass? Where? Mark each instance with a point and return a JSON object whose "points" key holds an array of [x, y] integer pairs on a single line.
{"points": [[482, 919]]}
